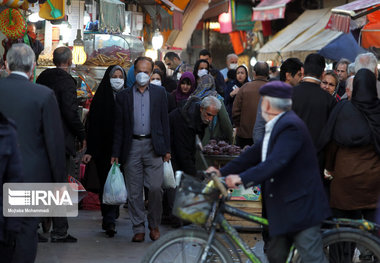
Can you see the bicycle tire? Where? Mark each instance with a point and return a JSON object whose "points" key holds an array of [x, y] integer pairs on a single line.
{"points": [[341, 246], [181, 246]]}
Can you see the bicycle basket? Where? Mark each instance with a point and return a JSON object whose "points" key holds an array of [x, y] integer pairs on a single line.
{"points": [[193, 200]]}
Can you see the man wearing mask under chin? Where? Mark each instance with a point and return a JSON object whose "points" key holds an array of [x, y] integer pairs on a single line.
{"points": [[142, 143]]}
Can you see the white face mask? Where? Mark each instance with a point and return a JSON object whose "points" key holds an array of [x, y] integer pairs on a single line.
{"points": [[156, 82], [142, 79], [233, 66], [117, 83], [202, 72]]}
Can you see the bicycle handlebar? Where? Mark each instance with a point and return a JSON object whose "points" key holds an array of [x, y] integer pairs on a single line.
{"points": [[219, 184]]}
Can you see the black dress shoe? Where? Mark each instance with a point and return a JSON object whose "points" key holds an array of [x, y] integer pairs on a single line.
{"points": [[67, 239], [110, 230], [42, 239]]}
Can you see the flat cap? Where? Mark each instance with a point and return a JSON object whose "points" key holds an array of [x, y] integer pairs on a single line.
{"points": [[277, 89]]}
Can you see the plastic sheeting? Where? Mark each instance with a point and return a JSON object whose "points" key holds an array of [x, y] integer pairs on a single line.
{"points": [[112, 16], [345, 46], [371, 31]]}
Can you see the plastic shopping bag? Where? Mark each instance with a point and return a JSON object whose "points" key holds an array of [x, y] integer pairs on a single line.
{"points": [[169, 181], [115, 192]]}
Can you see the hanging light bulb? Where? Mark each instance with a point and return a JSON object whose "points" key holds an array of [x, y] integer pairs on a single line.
{"points": [[157, 40], [79, 55]]}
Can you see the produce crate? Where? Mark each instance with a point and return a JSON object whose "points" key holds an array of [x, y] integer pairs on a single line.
{"points": [[248, 231]]}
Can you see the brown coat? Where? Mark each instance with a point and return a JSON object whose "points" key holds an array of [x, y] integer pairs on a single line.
{"points": [[244, 108], [356, 177]]}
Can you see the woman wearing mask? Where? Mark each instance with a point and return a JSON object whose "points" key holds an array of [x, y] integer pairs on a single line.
{"points": [[100, 125], [185, 88], [168, 83], [156, 79], [233, 87], [201, 68]]}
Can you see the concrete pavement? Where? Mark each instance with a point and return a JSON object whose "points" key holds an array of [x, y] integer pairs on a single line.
{"points": [[94, 246]]}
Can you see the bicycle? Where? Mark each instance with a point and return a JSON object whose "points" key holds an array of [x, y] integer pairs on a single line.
{"points": [[204, 204]]}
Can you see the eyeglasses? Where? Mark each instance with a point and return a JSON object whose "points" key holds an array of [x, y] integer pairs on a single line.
{"points": [[328, 83]]}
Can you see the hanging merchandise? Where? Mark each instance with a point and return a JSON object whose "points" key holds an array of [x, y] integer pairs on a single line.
{"points": [[12, 23], [52, 10], [112, 16], [238, 40], [13, 3]]}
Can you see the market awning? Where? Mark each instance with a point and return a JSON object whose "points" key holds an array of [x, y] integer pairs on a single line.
{"points": [[345, 46], [269, 10], [342, 17], [272, 50], [312, 40], [216, 7]]}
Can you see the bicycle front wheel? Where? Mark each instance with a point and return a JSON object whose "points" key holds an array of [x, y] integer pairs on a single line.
{"points": [[186, 246]]}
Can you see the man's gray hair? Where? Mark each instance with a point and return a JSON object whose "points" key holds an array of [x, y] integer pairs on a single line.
{"points": [[351, 69], [232, 55], [280, 103], [366, 60], [20, 57], [343, 61], [211, 101], [61, 55]]}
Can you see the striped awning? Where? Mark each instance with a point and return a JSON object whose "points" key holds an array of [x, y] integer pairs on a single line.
{"points": [[269, 10], [342, 17]]}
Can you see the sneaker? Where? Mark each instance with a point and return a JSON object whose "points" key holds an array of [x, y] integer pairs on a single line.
{"points": [[67, 239]]}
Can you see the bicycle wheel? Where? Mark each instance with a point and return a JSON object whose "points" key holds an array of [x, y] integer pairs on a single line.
{"points": [[351, 245], [348, 245], [185, 246]]}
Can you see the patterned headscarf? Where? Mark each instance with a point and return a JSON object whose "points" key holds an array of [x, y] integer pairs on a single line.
{"points": [[206, 87]]}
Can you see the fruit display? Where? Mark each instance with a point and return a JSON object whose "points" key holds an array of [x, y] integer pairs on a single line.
{"points": [[221, 148]]}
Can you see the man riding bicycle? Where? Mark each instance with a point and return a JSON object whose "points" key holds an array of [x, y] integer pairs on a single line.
{"points": [[285, 164]]}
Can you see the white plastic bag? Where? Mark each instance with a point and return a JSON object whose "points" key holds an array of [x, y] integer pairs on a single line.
{"points": [[115, 192], [169, 181]]}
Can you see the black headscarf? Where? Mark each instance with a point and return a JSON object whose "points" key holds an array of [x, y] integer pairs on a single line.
{"points": [[364, 98]]}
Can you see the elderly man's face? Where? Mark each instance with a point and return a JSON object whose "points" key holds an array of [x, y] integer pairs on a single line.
{"points": [[208, 114], [341, 71], [232, 60]]}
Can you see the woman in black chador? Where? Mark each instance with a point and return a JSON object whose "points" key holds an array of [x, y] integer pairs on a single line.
{"points": [[100, 136]]}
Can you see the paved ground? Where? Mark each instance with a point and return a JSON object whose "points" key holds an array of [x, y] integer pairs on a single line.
{"points": [[93, 245]]}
